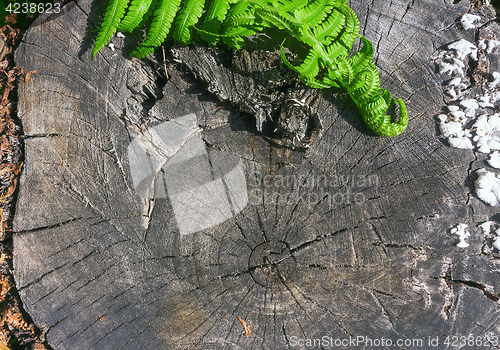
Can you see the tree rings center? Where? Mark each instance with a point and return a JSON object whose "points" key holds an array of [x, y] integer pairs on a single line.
{"points": [[271, 264]]}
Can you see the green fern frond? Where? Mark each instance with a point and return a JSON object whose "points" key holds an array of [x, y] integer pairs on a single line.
{"points": [[213, 19], [288, 5], [239, 7], [235, 29], [336, 49], [328, 27], [242, 25], [363, 56], [387, 96], [135, 15], [308, 70], [112, 17], [310, 67], [188, 16], [160, 27], [351, 25], [280, 20], [344, 70], [315, 12], [328, 30], [374, 115], [367, 86]]}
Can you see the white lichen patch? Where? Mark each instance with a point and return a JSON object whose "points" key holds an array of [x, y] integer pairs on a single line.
{"points": [[449, 126], [472, 120], [496, 242], [453, 65], [462, 142], [464, 48], [486, 227], [483, 135], [487, 130], [469, 21], [488, 187], [452, 127], [494, 160], [496, 80], [452, 62], [470, 106], [461, 232], [111, 46], [484, 101], [491, 231], [457, 82], [455, 87], [470, 124], [488, 45]]}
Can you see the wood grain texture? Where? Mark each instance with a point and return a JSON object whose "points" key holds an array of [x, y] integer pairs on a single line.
{"points": [[98, 266]]}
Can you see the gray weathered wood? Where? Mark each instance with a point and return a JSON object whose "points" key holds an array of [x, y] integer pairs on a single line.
{"points": [[100, 266]]}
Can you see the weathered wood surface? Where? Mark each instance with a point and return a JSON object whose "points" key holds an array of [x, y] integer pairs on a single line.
{"points": [[100, 266]]}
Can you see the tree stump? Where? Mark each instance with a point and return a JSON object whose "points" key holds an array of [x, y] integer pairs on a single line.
{"points": [[150, 218]]}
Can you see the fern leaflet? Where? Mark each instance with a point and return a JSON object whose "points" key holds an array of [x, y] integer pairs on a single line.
{"points": [[160, 27], [214, 18], [112, 17], [135, 15], [188, 16]]}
